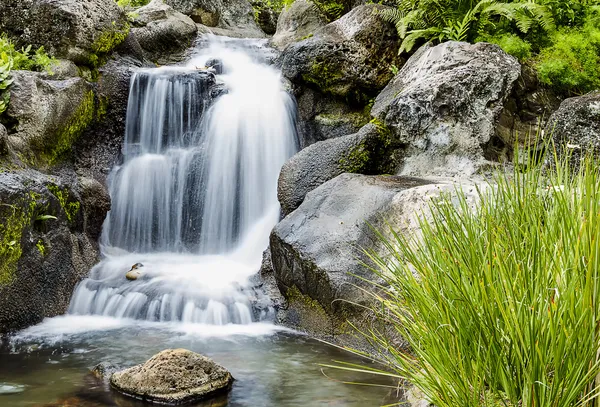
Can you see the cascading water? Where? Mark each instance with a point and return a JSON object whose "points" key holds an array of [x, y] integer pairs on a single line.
{"points": [[195, 198]]}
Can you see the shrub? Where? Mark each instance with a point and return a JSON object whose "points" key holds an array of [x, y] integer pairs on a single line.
{"points": [[571, 64], [500, 304], [511, 44]]}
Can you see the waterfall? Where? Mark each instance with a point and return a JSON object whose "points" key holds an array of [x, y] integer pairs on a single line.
{"points": [[195, 198]]}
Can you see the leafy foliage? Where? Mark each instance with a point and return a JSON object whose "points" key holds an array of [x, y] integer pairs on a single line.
{"points": [[13, 59], [499, 302], [512, 44]]}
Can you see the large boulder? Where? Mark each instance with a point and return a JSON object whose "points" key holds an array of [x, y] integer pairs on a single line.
{"points": [[82, 31], [348, 58], [173, 376], [166, 33], [575, 127], [317, 250], [298, 21], [235, 16], [445, 105], [49, 227], [48, 116], [370, 151]]}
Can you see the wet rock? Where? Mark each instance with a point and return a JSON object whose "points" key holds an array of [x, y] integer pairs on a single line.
{"points": [[348, 58], [135, 272], [47, 115], [173, 376], [104, 370], [216, 65], [575, 127], [370, 151], [166, 33], [317, 250], [71, 29], [297, 22], [3, 140], [265, 16], [233, 16], [45, 246], [445, 105], [94, 196]]}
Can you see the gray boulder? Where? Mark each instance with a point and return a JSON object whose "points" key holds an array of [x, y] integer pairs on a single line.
{"points": [[82, 31], [48, 243], [173, 376], [233, 16], [48, 116], [370, 151], [317, 250], [575, 127], [166, 33], [445, 105], [348, 58], [297, 22]]}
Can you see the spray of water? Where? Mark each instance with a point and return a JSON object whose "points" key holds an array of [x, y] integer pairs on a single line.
{"points": [[195, 198]]}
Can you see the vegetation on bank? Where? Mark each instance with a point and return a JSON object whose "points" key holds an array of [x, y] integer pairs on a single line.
{"points": [[500, 303], [24, 59], [560, 38]]}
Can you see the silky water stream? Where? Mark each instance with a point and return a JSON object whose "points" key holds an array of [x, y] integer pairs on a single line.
{"points": [[193, 201]]}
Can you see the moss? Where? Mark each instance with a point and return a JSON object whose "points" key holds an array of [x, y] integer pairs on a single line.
{"points": [[372, 155], [72, 129], [307, 37], [324, 77], [294, 295], [357, 159], [18, 217], [41, 248], [106, 42], [70, 208]]}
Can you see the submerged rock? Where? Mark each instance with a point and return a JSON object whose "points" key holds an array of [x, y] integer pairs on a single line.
{"points": [[445, 105], [575, 127], [173, 376], [348, 58]]}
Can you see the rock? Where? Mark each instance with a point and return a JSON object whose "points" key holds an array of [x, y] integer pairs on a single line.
{"points": [[235, 16], [81, 31], [575, 127], [370, 151], [445, 105], [349, 58], [45, 247], [317, 250], [216, 65], [48, 116], [265, 16], [3, 140], [94, 195], [173, 376], [298, 21], [134, 273], [166, 34], [104, 370]]}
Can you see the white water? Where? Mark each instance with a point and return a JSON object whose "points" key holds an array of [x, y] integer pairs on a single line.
{"points": [[195, 199]]}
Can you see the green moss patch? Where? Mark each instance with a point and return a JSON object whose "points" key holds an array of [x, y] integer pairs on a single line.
{"points": [[16, 218], [70, 208], [106, 42]]}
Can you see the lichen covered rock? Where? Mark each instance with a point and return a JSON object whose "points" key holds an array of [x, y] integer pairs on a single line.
{"points": [[575, 127], [297, 22], [166, 33], [348, 58], [445, 105], [370, 151], [82, 31], [46, 246], [173, 376]]}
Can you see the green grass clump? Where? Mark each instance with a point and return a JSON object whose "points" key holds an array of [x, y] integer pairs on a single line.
{"points": [[572, 62], [500, 303]]}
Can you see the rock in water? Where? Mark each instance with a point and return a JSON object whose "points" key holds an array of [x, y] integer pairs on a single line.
{"points": [[173, 376], [134, 273]]}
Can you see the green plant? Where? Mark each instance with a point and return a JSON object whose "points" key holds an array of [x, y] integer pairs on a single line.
{"points": [[511, 44], [132, 3], [70, 208], [5, 82], [41, 248], [460, 20], [571, 64], [499, 300], [25, 58]]}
